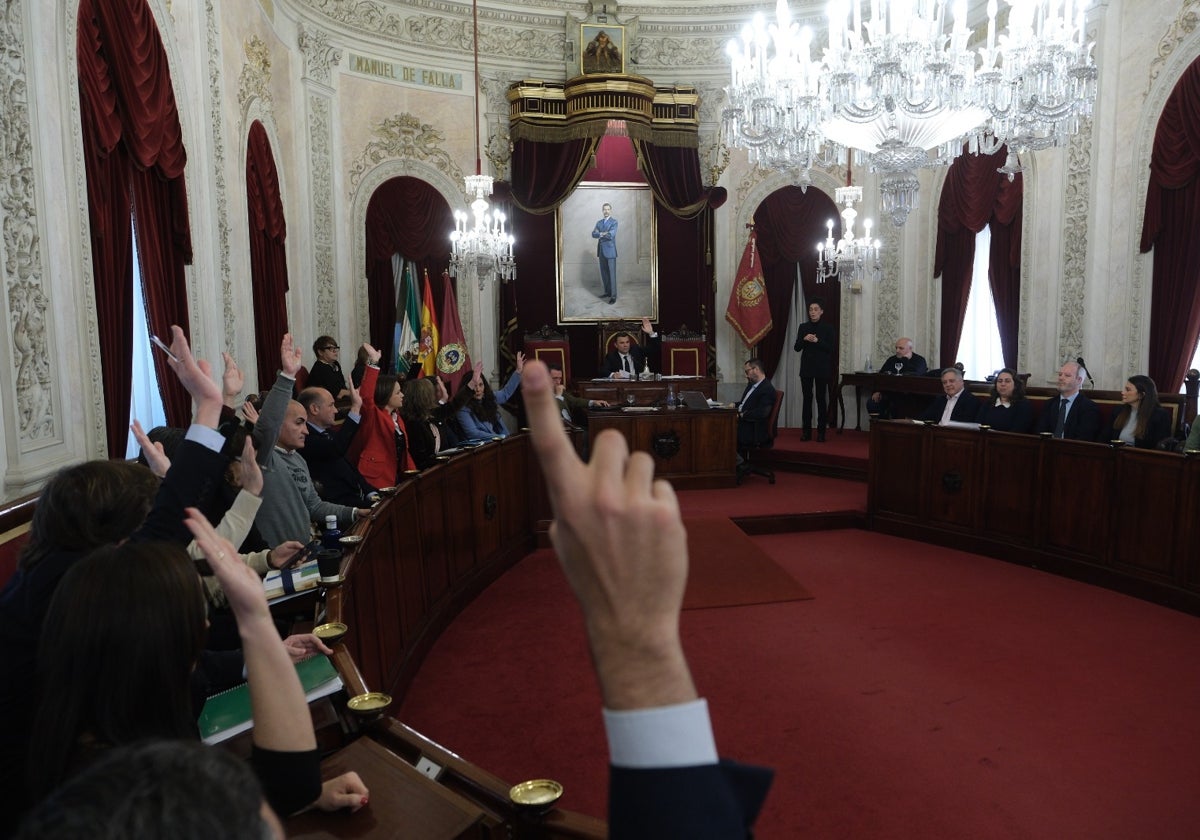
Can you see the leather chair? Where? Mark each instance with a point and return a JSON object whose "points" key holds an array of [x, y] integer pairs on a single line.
{"points": [[549, 346], [748, 466]]}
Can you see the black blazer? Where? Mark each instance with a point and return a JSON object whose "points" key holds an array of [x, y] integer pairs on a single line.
{"points": [[966, 410], [336, 478], [612, 362], [329, 377], [816, 359], [1083, 420], [1158, 428], [1017, 417], [752, 422], [708, 802]]}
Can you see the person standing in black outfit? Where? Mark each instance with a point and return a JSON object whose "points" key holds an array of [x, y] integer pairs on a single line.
{"points": [[815, 344]]}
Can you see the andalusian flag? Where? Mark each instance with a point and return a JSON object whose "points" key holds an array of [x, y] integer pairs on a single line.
{"points": [[429, 332], [748, 311], [408, 317]]}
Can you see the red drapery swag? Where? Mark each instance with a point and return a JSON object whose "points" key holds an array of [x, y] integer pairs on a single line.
{"points": [[1169, 227], [134, 158], [975, 195], [405, 216], [789, 223], [268, 255]]}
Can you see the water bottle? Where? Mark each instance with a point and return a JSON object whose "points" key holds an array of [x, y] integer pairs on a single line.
{"points": [[867, 365], [333, 534], [670, 396]]}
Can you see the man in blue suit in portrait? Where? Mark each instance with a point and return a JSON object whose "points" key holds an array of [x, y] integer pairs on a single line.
{"points": [[605, 234]]}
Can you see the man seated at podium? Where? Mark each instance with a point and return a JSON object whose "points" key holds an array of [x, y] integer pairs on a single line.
{"points": [[627, 358], [621, 541], [904, 362]]}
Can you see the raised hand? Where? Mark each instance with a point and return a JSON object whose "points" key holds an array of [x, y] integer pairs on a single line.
{"points": [[241, 584], [373, 355], [356, 400], [249, 411], [252, 477], [443, 396], [156, 458], [622, 545], [646, 328], [196, 377], [232, 381], [520, 361], [289, 356]]}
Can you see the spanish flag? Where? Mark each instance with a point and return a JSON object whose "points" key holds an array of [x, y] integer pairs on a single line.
{"points": [[748, 310], [429, 332]]}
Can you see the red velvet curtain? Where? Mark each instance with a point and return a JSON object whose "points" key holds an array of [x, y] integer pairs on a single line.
{"points": [[1170, 226], [790, 222], [544, 174], [134, 157], [405, 216], [268, 254], [674, 176], [975, 195]]}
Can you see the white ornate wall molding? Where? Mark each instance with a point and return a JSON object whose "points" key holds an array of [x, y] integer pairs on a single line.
{"points": [[220, 190], [384, 167], [1177, 50], [1075, 245], [319, 61], [404, 137], [498, 147], [28, 383], [254, 82]]}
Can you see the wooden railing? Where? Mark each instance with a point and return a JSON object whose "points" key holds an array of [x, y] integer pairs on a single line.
{"points": [[1115, 516]]}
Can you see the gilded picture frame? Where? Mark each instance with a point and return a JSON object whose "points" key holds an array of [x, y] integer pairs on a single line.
{"points": [[601, 49], [582, 297]]}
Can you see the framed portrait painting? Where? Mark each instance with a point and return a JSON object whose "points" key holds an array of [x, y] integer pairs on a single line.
{"points": [[607, 247], [601, 49]]}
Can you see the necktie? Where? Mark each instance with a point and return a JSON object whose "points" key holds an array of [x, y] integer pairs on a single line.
{"points": [[1060, 424], [627, 368]]}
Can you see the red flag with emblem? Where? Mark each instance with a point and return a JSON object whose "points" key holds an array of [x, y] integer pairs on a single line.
{"points": [[748, 310], [453, 360]]}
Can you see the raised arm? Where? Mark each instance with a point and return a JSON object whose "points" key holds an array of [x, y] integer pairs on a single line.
{"points": [[274, 407]]}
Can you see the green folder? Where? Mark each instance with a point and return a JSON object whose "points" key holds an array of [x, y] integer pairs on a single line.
{"points": [[228, 713]]}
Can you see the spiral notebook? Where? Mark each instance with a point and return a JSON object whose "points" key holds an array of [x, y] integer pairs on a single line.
{"points": [[228, 713]]}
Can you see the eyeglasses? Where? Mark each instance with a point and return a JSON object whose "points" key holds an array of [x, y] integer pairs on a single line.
{"points": [[331, 347]]}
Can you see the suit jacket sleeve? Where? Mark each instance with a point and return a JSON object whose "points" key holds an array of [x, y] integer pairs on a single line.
{"points": [[761, 402], [271, 417], [1085, 417], [709, 802], [192, 481]]}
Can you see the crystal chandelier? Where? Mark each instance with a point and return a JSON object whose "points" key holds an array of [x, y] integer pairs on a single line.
{"points": [[898, 79], [479, 240], [483, 241], [852, 260]]}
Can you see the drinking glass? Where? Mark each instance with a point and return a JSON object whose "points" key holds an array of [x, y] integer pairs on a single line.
{"points": [[899, 366], [629, 398]]}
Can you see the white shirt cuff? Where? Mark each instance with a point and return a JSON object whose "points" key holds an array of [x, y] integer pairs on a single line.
{"points": [[355, 416], [667, 736], [206, 437]]}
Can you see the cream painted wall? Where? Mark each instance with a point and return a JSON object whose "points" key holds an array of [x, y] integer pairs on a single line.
{"points": [[1086, 288]]}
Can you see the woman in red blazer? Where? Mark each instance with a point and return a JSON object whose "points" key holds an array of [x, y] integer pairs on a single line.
{"points": [[380, 449]]}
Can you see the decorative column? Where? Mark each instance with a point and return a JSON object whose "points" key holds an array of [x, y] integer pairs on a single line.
{"points": [[319, 60]]}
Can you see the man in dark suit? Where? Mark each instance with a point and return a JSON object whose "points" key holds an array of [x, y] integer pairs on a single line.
{"points": [[627, 359], [910, 364], [956, 405], [572, 407], [325, 449], [754, 408], [815, 342], [1070, 415], [620, 539]]}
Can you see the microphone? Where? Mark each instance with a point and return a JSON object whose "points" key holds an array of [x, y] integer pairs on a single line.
{"points": [[1079, 360]]}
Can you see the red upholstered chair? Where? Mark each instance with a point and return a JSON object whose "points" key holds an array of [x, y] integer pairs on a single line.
{"points": [[684, 353], [553, 348], [609, 330]]}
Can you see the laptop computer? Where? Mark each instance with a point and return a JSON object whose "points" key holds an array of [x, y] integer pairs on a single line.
{"points": [[694, 399]]}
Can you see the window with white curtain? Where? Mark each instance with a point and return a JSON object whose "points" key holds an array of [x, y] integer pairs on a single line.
{"points": [[979, 349], [145, 400]]}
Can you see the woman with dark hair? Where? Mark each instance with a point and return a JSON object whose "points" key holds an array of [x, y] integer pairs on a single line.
{"points": [[1007, 409], [124, 631], [1140, 421], [326, 371], [429, 419], [380, 450], [477, 407]]}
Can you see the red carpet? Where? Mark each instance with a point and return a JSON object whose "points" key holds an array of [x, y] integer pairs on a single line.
{"points": [[927, 693], [727, 569]]}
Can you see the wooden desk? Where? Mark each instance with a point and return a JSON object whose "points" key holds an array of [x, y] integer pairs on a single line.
{"points": [[694, 450], [1078, 509], [910, 393], [649, 392]]}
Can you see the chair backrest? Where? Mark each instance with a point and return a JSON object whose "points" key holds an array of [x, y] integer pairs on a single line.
{"points": [[685, 353], [773, 418], [301, 379], [609, 330], [549, 346]]}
